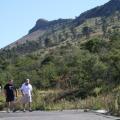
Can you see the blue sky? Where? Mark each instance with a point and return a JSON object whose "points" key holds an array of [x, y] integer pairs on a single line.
{"points": [[19, 16]]}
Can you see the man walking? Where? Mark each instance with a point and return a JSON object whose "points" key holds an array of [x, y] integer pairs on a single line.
{"points": [[10, 94], [26, 90]]}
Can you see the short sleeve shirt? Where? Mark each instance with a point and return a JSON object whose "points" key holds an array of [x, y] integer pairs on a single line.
{"points": [[26, 89], [9, 90]]}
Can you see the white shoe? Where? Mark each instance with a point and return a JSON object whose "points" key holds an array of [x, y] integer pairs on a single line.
{"points": [[8, 110], [24, 110]]}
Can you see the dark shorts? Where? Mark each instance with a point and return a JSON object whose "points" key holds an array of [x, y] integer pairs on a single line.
{"points": [[10, 99]]}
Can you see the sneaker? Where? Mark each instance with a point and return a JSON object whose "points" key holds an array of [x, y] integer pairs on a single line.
{"points": [[14, 110], [24, 110], [8, 110], [30, 110]]}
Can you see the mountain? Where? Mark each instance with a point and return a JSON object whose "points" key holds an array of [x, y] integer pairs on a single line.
{"points": [[105, 10], [44, 29], [79, 56], [42, 24]]}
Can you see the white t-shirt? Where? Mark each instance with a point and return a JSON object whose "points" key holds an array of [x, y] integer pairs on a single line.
{"points": [[26, 89]]}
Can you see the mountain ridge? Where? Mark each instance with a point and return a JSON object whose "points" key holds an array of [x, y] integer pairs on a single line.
{"points": [[100, 11], [43, 26]]}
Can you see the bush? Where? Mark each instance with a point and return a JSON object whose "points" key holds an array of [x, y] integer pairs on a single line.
{"points": [[2, 102]]}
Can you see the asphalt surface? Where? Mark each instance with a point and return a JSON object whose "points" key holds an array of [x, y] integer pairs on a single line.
{"points": [[55, 115]]}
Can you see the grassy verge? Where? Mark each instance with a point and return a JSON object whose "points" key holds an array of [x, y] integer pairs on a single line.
{"points": [[43, 100]]}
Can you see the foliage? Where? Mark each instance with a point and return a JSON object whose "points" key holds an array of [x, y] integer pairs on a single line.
{"points": [[90, 66]]}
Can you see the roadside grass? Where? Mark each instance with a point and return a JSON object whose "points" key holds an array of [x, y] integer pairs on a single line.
{"points": [[2, 101], [44, 100]]}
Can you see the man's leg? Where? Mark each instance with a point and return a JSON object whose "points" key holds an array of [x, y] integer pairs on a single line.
{"points": [[30, 107], [24, 103], [12, 106], [24, 107], [8, 106], [30, 101]]}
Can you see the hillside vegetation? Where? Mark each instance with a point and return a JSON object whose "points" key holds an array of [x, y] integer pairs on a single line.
{"points": [[81, 60]]}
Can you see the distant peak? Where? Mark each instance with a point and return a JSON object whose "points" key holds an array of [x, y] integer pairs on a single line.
{"points": [[43, 24], [39, 21], [107, 9]]}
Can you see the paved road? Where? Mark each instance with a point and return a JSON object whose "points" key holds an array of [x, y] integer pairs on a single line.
{"points": [[57, 115]]}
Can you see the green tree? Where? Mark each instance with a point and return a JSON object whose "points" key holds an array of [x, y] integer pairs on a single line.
{"points": [[104, 25], [86, 31]]}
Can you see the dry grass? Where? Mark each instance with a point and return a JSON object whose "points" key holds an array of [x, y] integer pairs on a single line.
{"points": [[42, 100]]}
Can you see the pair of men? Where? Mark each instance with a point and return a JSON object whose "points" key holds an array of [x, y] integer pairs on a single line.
{"points": [[11, 94]]}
